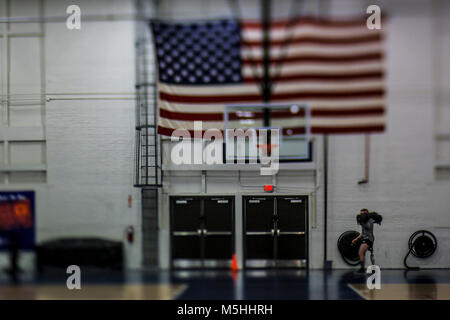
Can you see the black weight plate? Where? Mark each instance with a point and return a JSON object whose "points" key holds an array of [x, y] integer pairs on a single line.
{"points": [[349, 251], [424, 246]]}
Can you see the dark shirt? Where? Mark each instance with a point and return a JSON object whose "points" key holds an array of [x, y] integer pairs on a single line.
{"points": [[367, 230]]}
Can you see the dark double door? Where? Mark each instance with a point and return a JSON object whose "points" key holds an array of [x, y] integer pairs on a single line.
{"points": [[202, 232], [275, 231]]}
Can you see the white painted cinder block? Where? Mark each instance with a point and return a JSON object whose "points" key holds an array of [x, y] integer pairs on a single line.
{"points": [[90, 142], [402, 184]]}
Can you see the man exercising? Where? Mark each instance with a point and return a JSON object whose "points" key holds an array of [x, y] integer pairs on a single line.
{"points": [[366, 220]]}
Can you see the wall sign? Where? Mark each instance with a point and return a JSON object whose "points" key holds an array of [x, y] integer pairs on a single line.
{"points": [[17, 217]]}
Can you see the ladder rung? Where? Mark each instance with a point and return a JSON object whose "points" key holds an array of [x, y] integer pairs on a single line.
{"points": [[145, 84], [157, 185], [145, 126]]}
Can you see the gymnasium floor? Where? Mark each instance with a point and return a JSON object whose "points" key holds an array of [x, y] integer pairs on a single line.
{"points": [[286, 285]]}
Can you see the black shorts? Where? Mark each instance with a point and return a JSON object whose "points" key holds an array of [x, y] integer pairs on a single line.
{"points": [[368, 242]]}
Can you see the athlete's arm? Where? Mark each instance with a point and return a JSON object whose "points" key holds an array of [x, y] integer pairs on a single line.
{"points": [[357, 238]]}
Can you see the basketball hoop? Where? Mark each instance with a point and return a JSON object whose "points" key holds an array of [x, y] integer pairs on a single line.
{"points": [[267, 147], [294, 134]]}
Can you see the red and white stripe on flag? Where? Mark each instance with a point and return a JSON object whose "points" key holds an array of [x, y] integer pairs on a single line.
{"points": [[333, 66]]}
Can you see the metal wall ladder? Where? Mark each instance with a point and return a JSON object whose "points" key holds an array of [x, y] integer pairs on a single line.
{"points": [[148, 162]]}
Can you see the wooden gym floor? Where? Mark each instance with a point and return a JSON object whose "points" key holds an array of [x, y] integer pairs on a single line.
{"points": [[91, 292], [402, 291], [260, 284]]}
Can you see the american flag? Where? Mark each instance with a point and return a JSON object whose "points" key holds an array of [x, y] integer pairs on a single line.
{"points": [[333, 66]]}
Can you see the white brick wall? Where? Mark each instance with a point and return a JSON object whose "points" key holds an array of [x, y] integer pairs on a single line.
{"points": [[90, 142], [90, 75], [402, 184]]}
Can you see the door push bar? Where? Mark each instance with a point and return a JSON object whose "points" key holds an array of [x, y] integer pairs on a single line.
{"points": [[273, 231], [201, 232]]}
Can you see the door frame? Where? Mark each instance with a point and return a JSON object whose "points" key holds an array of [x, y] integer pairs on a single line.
{"points": [[201, 263], [274, 263]]}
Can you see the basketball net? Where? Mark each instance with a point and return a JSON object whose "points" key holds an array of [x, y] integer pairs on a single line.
{"points": [[266, 148]]}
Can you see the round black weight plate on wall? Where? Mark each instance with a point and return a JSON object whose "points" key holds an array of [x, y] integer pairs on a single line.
{"points": [[422, 244], [349, 251]]}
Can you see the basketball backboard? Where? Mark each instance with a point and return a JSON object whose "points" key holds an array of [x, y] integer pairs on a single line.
{"points": [[292, 121]]}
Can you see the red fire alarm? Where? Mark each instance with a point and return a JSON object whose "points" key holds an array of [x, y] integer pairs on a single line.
{"points": [[268, 188], [130, 201]]}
